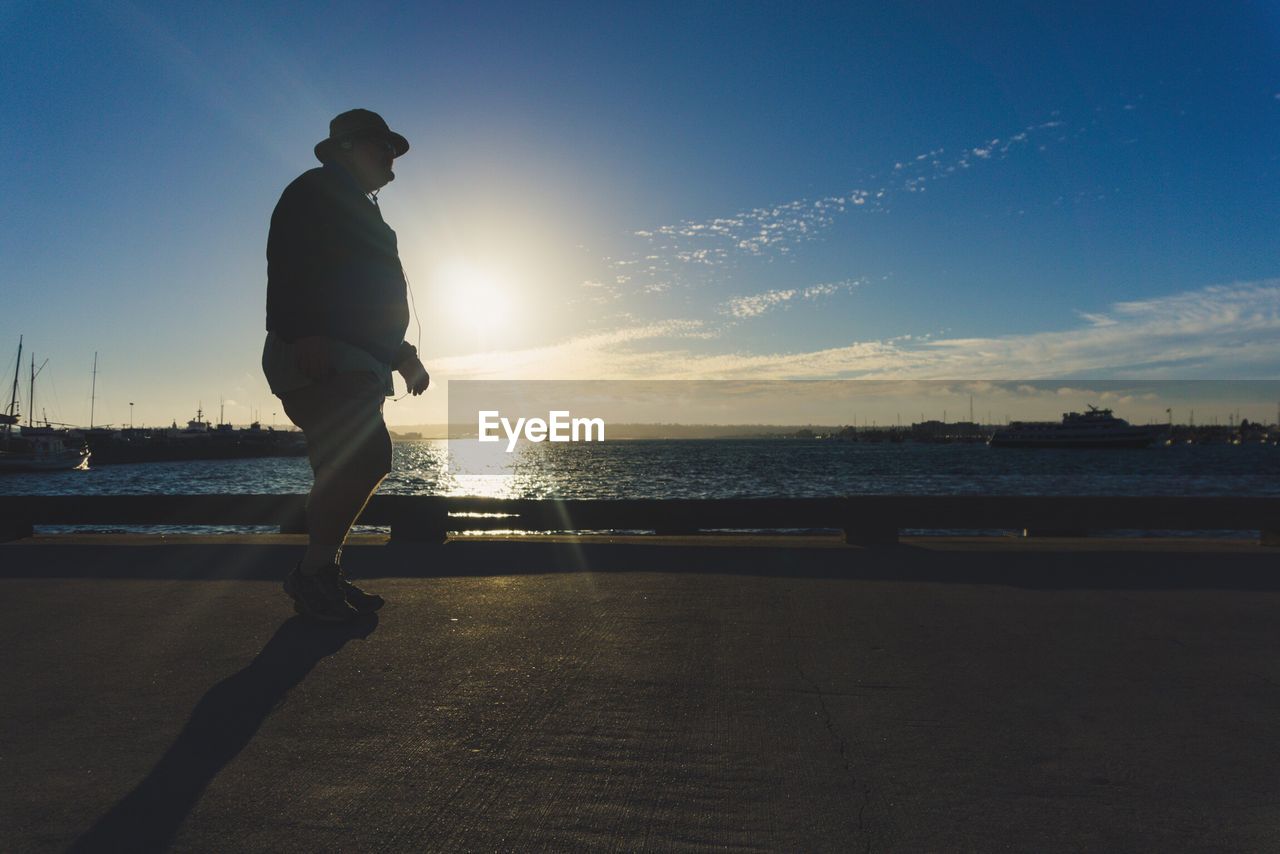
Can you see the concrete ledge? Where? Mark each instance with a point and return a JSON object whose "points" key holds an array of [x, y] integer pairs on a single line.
{"points": [[865, 519]]}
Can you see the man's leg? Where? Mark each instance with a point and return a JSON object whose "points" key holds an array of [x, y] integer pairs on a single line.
{"points": [[340, 493], [350, 452]]}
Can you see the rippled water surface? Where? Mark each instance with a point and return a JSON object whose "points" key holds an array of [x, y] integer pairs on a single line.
{"points": [[721, 469]]}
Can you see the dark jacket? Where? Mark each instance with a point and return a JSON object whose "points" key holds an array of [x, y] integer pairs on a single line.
{"points": [[333, 268]]}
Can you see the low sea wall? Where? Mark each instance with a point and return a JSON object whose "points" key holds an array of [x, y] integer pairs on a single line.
{"points": [[864, 519]]}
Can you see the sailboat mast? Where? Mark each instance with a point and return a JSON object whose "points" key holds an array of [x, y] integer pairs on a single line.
{"points": [[17, 366], [93, 392], [31, 399], [12, 414]]}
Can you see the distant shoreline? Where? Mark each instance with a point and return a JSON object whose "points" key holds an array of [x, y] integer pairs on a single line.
{"points": [[929, 432]]}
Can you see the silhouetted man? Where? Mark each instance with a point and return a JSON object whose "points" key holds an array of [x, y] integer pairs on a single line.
{"points": [[336, 317]]}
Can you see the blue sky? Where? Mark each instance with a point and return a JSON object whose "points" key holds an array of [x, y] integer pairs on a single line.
{"points": [[638, 191]]}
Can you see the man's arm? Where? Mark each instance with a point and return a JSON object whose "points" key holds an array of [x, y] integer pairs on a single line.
{"points": [[411, 368], [314, 357], [301, 294], [299, 297]]}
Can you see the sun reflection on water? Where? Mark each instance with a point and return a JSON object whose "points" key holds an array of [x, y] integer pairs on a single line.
{"points": [[439, 467]]}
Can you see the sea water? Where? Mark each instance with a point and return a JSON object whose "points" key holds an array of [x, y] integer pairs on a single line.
{"points": [[730, 468]]}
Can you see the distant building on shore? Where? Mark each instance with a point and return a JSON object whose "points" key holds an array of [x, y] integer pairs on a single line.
{"points": [[941, 430]]}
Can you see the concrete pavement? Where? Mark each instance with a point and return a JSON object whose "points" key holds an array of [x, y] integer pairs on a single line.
{"points": [[692, 694]]}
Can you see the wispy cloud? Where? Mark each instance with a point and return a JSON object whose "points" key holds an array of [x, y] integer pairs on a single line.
{"points": [[1096, 319], [757, 304], [601, 355], [1221, 331], [754, 305], [675, 254]]}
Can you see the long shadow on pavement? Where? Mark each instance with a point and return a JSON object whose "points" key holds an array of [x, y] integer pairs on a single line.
{"points": [[222, 723]]}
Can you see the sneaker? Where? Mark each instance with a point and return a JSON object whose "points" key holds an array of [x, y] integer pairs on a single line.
{"points": [[318, 596], [365, 603]]}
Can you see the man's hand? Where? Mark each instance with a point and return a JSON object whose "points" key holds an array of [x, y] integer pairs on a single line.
{"points": [[312, 356], [415, 375]]}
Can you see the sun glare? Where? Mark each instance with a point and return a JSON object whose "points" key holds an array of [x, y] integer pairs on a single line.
{"points": [[477, 299]]}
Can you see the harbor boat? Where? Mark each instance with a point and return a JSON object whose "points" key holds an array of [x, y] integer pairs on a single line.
{"points": [[35, 447], [199, 440], [1096, 428], [40, 449]]}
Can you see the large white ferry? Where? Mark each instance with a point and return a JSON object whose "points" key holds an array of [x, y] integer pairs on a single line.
{"points": [[1097, 428]]}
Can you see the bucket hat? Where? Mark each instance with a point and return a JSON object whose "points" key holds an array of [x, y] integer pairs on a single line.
{"points": [[358, 124]]}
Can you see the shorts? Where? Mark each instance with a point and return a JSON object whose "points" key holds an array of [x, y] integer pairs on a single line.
{"points": [[342, 420]]}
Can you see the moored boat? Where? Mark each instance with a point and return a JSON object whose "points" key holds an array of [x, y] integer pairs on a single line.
{"points": [[1096, 428], [199, 440], [35, 447], [40, 449]]}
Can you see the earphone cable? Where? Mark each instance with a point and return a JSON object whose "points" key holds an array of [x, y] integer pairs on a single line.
{"points": [[408, 286]]}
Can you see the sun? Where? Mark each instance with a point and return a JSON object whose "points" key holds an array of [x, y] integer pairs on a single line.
{"points": [[477, 299]]}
